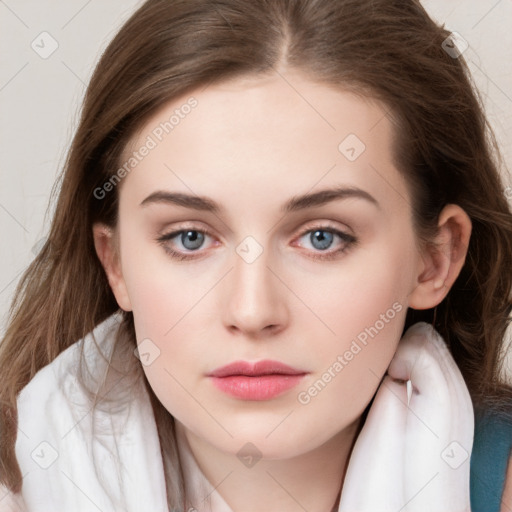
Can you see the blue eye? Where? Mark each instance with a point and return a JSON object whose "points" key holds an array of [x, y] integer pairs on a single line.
{"points": [[322, 238], [192, 239], [184, 244]]}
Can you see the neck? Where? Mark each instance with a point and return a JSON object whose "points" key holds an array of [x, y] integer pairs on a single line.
{"points": [[311, 481]]}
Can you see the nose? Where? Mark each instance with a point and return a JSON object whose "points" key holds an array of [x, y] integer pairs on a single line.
{"points": [[255, 299]]}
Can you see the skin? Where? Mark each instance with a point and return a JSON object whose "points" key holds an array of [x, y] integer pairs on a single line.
{"points": [[250, 145], [506, 504]]}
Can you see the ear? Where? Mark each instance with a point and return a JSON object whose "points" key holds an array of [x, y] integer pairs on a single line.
{"points": [[442, 259], [107, 249]]}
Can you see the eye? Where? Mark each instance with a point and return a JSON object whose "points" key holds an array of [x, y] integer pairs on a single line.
{"points": [[185, 244], [323, 238], [186, 241]]}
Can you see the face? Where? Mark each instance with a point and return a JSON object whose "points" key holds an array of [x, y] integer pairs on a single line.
{"points": [[266, 224]]}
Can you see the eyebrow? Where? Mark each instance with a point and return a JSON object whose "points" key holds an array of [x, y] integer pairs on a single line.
{"points": [[294, 204]]}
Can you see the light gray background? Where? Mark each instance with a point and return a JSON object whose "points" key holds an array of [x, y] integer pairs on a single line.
{"points": [[40, 98]]}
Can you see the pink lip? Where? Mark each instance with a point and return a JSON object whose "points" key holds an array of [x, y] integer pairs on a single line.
{"points": [[256, 381]]}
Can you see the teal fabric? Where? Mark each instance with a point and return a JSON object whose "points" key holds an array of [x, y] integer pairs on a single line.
{"points": [[492, 449]]}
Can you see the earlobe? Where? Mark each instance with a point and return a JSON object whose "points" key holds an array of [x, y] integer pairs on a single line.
{"points": [[106, 246], [443, 259]]}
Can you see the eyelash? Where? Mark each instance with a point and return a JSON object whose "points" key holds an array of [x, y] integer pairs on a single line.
{"points": [[348, 240]]}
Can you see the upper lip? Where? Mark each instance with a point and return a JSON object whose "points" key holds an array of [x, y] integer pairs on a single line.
{"points": [[259, 368]]}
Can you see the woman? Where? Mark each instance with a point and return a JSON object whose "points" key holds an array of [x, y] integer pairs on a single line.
{"points": [[265, 202]]}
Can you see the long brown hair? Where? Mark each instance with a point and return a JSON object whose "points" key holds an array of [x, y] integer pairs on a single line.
{"points": [[386, 49]]}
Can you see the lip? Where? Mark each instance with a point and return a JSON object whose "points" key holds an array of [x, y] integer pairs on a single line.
{"points": [[262, 380]]}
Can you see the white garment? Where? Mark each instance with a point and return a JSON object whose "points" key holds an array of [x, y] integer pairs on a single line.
{"points": [[69, 459]]}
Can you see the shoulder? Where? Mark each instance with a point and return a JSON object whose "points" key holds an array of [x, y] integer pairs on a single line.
{"points": [[491, 471]]}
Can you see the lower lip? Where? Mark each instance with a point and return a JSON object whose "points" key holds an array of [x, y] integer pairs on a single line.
{"points": [[263, 387]]}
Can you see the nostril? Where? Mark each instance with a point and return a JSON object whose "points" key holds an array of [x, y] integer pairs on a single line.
{"points": [[272, 328]]}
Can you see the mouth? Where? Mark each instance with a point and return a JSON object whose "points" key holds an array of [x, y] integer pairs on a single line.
{"points": [[258, 381]]}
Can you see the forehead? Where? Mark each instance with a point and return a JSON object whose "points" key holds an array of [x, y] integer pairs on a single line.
{"points": [[281, 131]]}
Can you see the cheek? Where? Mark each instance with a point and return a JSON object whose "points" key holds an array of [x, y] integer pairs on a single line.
{"points": [[368, 323], [352, 296], [171, 324], [161, 292], [350, 369], [340, 394], [365, 304]]}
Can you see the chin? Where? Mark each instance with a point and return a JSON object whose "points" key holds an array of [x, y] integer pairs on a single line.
{"points": [[287, 440]]}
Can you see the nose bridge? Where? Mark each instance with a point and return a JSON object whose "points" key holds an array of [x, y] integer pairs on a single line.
{"points": [[255, 296]]}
